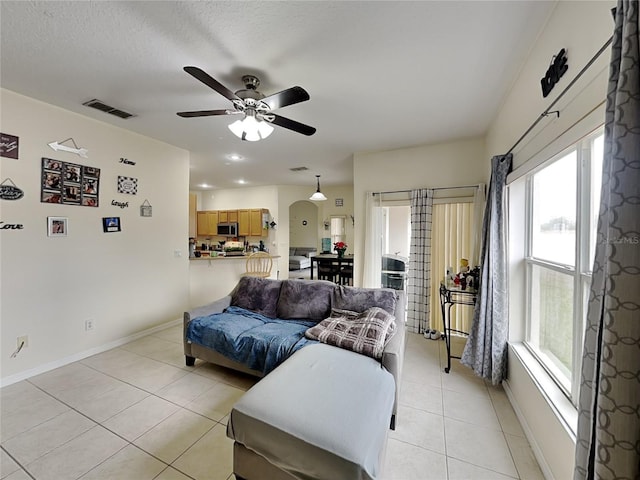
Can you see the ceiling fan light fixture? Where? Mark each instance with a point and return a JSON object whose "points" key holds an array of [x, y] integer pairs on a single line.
{"points": [[250, 128], [318, 196]]}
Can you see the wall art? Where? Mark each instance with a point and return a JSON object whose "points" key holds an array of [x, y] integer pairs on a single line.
{"points": [[78, 151], [9, 190], [145, 209], [9, 146], [127, 162], [111, 224], [69, 183], [127, 185], [556, 70], [57, 226], [11, 226]]}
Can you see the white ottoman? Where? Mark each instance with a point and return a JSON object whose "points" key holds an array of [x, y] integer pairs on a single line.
{"points": [[323, 414]]}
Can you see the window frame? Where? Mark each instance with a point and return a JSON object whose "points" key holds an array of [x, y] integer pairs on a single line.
{"points": [[581, 271]]}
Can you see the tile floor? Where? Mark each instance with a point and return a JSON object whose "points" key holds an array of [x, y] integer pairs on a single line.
{"points": [[136, 412]]}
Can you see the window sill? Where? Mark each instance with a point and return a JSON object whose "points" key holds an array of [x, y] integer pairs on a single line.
{"points": [[561, 406]]}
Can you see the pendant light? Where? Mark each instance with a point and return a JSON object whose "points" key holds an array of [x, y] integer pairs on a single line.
{"points": [[318, 196]]}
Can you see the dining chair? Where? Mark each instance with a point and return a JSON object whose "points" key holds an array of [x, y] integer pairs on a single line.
{"points": [[259, 264]]}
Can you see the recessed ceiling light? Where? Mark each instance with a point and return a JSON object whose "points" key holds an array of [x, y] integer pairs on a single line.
{"points": [[242, 181], [235, 157], [205, 185]]}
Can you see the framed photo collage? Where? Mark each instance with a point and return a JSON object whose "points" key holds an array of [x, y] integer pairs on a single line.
{"points": [[69, 183]]}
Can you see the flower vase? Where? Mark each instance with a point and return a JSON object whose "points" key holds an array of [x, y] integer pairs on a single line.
{"points": [[341, 252]]}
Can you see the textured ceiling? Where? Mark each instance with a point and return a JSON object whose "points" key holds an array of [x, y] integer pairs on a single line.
{"points": [[381, 75]]}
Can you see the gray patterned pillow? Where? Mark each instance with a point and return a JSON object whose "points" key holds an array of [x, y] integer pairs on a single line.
{"points": [[305, 299], [360, 299], [257, 294], [366, 333]]}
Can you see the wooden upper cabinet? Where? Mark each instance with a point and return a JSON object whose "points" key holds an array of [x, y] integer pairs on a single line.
{"points": [[244, 223], [228, 216], [255, 222], [249, 221], [207, 222]]}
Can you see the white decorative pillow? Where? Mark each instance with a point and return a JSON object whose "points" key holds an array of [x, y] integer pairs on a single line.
{"points": [[366, 333]]}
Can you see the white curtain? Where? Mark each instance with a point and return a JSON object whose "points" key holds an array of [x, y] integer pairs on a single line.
{"points": [[452, 238], [418, 308], [372, 271]]}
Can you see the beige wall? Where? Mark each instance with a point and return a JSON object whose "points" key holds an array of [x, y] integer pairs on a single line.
{"points": [[463, 162], [303, 224], [582, 28], [125, 282]]}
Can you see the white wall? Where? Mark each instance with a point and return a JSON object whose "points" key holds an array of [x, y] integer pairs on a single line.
{"points": [[303, 224], [125, 282], [463, 162], [582, 28]]}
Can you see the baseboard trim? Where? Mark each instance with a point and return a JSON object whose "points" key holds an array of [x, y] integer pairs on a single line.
{"points": [[18, 377]]}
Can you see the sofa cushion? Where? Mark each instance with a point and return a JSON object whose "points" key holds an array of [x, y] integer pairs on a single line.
{"points": [[366, 333], [305, 299], [359, 299], [257, 294]]}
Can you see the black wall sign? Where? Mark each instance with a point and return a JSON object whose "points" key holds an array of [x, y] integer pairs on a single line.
{"points": [[9, 145], [9, 190], [555, 71]]}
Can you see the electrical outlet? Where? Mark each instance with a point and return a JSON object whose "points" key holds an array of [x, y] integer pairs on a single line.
{"points": [[88, 325], [25, 339]]}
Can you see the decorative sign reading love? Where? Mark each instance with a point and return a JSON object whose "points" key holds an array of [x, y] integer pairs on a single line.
{"points": [[555, 71]]}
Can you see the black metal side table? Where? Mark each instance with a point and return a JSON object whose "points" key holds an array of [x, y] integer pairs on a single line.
{"points": [[450, 296]]}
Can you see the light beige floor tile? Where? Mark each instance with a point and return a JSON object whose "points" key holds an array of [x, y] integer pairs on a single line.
{"points": [[484, 447], [147, 346], [420, 428], [506, 415], [210, 458], [404, 461], [174, 435], [19, 395], [421, 396], [88, 390], [173, 334], [186, 389], [466, 384], [64, 378], [470, 408], [216, 402], [129, 463], [77, 457], [110, 403], [17, 420], [18, 475], [7, 465], [523, 456], [211, 371], [172, 355], [148, 374], [459, 470], [47, 436], [240, 380], [171, 473], [421, 371], [141, 417], [112, 360]]}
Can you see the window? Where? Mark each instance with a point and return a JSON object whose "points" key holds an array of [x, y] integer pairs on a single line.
{"points": [[338, 233], [562, 199]]}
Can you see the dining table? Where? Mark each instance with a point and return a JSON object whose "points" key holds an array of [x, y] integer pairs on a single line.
{"points": [[329, 259]]}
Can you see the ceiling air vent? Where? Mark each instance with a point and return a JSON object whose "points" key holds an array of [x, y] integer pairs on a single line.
{"points": [[103, 107], [298, 169]]}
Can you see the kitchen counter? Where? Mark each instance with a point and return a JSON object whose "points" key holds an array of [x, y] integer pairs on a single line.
{"points": [[224, 257]]}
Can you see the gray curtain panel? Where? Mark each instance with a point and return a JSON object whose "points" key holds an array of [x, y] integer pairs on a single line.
{"points": [[419, 283], [608, 437], [486, 348]]}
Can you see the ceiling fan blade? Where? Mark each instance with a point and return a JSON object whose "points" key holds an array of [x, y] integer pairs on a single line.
{"points": [[292, 125], [286, 97], [205, 113], [211, 82]]}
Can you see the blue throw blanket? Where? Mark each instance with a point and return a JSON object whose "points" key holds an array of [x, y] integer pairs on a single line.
{"points": [[258, 342]]}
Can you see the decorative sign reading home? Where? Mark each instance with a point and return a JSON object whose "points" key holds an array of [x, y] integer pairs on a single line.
{"points": [[145, 209], [69, 183], [127, 162], [58, 146], [9, 190], [555, 71], [111, 224], [127, 185], [9, 146]]}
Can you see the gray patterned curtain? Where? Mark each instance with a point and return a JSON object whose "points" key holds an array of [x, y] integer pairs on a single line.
{"points": [[419, 284], [486, 348], [608, 437]]}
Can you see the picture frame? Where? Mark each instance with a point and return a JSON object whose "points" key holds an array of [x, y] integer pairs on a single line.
{"points": [[57, 226], [111, 224]]}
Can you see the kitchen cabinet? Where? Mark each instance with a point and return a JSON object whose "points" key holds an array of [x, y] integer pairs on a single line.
{"points": [[207, 222], [250, 222], [228, 216]]}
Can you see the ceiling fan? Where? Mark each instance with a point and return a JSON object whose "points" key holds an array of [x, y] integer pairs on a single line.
{"points": [[257, 108]]}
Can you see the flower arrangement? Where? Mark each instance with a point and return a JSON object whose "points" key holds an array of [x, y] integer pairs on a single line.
{"points": [[340, 247]]}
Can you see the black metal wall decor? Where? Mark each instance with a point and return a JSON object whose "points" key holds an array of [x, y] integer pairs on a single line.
{"points": [[9, 146], [555, 71], [11, 226], [9, 190], [69, 183]]}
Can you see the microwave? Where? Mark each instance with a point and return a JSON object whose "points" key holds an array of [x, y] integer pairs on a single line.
{"points": [[228, 229]]}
